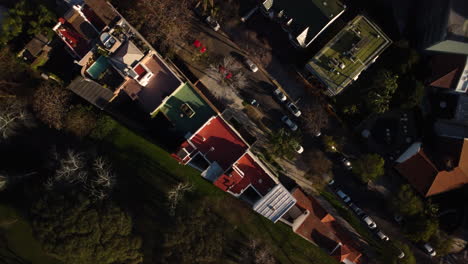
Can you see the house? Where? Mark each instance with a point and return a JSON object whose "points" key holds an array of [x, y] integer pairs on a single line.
{"points": [[82, 23], [37, 46], [187, 109], [311, 221], [347, 55], [449, 72], [445, 170], [433, 25], [450, 110], [303, 20], [223, 158]]}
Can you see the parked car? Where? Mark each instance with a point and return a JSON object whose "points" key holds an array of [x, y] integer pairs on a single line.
{"points": [[343, 196], [299, 149], [429, 250], [382, 236], [358, 211], [280, 95], [289, 123], [293, 109], [346, 163], [251, 65], [401, 255], [254, 103], [369, 222], [212, 23], [318, 134]]}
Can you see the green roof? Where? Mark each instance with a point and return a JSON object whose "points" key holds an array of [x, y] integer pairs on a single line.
{"points": [[186, 109], [349, 53]]}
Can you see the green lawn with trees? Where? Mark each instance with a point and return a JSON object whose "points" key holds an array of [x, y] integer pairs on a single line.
{"points": [[369, 167]]}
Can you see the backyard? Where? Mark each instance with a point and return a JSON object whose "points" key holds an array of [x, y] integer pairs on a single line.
{"points": [[151, 172]]}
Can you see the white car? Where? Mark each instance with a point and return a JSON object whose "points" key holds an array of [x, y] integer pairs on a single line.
{"points": [[401, 255], [289, 123], [347, 163], [299, 149], [280, 95], [369, 222], [212, 23], [429, 250], [343, 196], [293, 109], [330, 183], [382, 236], [251, 65]]}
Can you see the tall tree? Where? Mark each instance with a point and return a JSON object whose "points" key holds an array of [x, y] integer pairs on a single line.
{"points": [[315, 118], [77, 231], [407, 202], [80, 120], [421, 228], [369, 167], [51, 103], [384, 86], [13, 115], [283, 144]]}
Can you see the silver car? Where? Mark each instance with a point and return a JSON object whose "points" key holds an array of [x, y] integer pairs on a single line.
{"points": [[293, 109], [289, 123], [369, 222], [212, 23], [251, 65], [280, 95]]}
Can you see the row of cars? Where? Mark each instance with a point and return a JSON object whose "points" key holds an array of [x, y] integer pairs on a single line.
{"points": [[367, 220], [370, 223]]}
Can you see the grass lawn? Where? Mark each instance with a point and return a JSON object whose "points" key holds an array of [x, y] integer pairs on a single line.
{"points": [[157, 172], [20, 239]]}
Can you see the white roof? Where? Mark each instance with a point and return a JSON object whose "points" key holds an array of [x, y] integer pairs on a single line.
{"points": [[127, 55], [275, 204]]}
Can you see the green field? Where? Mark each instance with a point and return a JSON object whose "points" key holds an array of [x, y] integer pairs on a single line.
{"points": [[157, 172], [20, 242]]}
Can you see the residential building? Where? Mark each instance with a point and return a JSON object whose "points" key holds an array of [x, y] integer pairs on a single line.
{"points": [[223, 157], [340, 62], [37, 46], [303, 20], [311, 221], [445, 169], [187, 109], [450, 111], [450, 72], [433, 25]]}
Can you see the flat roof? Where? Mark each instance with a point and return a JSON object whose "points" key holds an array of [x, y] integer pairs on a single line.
{"points": [[217, 141], [349, 53], [275, 203], [246, 172], [186, 109]]}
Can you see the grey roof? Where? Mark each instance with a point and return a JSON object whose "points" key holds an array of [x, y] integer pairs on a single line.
{"points": [[127, 55], [275, 204], [36, 44], [91, 91]]}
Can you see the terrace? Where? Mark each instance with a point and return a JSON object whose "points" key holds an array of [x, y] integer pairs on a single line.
{"points": [[349, 53], [186, 109]]}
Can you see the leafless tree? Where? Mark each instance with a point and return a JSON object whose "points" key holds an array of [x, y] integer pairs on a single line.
{"points": [[105, 177], [315, 118], [13, 114], [51, 103], [176, 194], [162, 21], [3, 182], [257, 253], [72, 168]]}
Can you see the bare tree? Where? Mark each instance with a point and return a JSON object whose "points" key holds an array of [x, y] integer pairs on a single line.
{"points": [[257, 253], [72, 168], [176, 194], [162, 21], [315, 118], [51, 104], [13, 114]]}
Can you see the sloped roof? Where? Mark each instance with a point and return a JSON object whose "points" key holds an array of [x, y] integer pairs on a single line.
{"points": [[91, 92], [36, 44], [102, 9], [322, 228], [446, 70], [428, 180]]}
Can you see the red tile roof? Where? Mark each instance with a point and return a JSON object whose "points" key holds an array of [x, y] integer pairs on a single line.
{"points": [[446, 70], [423, 175], [219, 142], [322, 228], [251, 173]]}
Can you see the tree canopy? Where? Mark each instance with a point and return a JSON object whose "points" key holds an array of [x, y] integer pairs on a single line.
{"points": [[389, 255], [369, 167], [80, 120], [51, 103], [420, 228], [407, 202], [77, 231], [283, 144], [384, 86]]}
